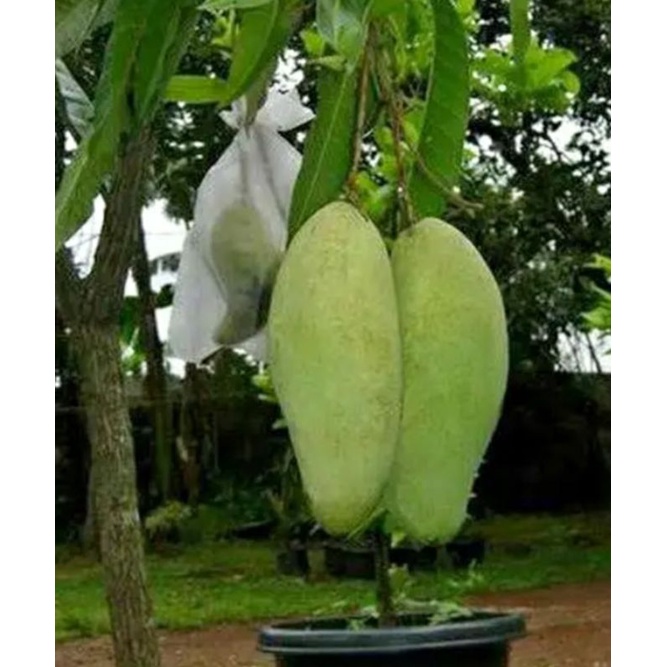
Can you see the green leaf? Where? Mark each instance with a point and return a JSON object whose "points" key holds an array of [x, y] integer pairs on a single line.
{"points": [[171, 26], [520, 25], [195, 89], [78, 107], [543, 66], [96, 154], [130, 315], [601, 262], [328, 152], [570, 82], [76, 19], [313, 42], [466, 7], [264, 32], [384, 8], [343, 24], [334, 62], [222, 5], [129, 54], [445, 116]]}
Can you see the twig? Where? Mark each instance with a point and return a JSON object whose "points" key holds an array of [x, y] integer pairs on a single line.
{"points": [[452, 197], [359, 129], [396, 130]]}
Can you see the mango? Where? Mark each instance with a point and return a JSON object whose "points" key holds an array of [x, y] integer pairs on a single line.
{"points": [[245, 260], [455, 365], [335, 361]]}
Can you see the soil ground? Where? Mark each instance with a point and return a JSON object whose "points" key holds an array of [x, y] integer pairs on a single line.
{"points": [[568, 626]]}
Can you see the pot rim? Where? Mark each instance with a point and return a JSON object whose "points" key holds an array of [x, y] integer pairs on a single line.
{"points": [[295, 637]]}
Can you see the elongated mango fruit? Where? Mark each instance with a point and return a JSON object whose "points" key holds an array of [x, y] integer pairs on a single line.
{"points": [[336, 363], [455, 365]]}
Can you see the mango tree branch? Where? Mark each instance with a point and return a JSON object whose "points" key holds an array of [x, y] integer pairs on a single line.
{"points": [[122, 217], [359, 129], [389, 98]]}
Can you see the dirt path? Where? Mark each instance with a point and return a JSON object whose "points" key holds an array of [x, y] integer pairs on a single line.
{"points": [[569, 626]]}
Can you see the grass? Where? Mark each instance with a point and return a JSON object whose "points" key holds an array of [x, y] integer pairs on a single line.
{"points": [[236, 582]]}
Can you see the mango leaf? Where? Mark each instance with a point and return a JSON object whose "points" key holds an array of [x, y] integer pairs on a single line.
{"points": [[171, 27], [96, 154], [222, 5], [520, 25], [445, 116], [195, 89], [343, 24], [78, 107], [264, 32], [313, 42], [601, 262], [570, 82], [76, 19], [543, 66], [130, 316], [328, 152], [384, 8]]}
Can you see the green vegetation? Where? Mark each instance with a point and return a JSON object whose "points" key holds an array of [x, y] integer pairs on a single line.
{"points": [[221, 582]]}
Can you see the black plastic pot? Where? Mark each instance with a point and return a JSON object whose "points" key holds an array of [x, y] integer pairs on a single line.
{"points": [[481, 640], [358, 562], [258, 530], [349, 562]]}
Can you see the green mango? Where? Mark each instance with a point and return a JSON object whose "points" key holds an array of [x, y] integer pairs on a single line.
{"points": [[335, 362], [245, 260], [455, 365]]}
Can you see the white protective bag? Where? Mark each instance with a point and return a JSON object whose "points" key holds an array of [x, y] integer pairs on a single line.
{"points": [[233, 250]]}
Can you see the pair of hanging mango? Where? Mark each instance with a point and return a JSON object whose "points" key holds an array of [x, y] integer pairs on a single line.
{"points": [[390, 370]]}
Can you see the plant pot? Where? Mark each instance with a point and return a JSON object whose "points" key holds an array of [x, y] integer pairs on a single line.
{"points": [[358, 562], [424, 559], [349, 562], [257, 530], [481, 640]]}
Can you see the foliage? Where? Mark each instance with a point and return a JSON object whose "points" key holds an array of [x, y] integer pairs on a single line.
{"points": [[145, 45], [164, 523], [599, 318]]}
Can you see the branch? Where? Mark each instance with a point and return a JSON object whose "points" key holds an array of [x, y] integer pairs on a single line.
{"points": [[396, 125], [122, 217], [359, 130], [593, 353], [503, 141]]}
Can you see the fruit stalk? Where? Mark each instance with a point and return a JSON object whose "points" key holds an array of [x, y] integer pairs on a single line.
{"points": [[383, 593]]}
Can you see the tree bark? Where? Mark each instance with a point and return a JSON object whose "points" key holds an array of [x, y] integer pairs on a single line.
{"points": [[89, 535], [91, 307], [156, 378], [115, 497]]}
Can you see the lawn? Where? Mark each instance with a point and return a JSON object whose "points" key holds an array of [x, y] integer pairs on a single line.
{"points": [[236, 581]]}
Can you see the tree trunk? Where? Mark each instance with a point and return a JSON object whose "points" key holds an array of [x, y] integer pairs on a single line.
{"points": [[91, 307], [156, 378], [115, 496]]}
